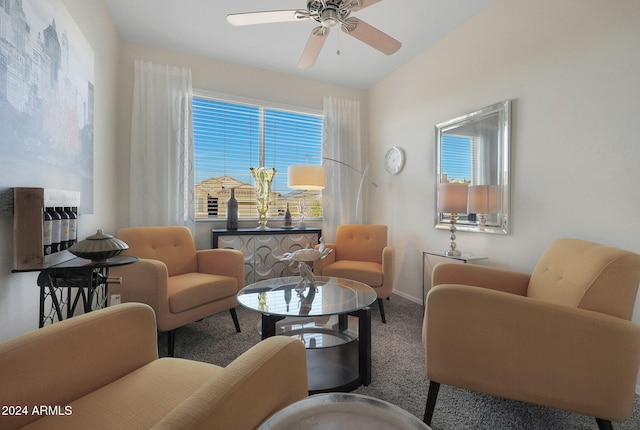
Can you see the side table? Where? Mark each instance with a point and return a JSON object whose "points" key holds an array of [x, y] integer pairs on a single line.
{"points": [[431, 258], [342, 411], [88, 278]]}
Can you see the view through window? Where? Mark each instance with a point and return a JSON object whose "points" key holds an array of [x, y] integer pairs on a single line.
{"points": [[230, 137]]}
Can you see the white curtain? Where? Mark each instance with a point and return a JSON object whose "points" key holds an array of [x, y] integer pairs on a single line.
{"points": [[341, 141], [161, 181]]}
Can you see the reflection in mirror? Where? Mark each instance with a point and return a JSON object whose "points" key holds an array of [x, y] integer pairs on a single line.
{"points": [[474, 149]]}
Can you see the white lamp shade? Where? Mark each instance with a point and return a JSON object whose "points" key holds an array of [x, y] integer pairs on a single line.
{"points": [[483, 199], [306, 176], [452, 198]]}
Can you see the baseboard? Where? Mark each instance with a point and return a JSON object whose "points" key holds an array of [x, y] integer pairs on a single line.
{"points": [[638, 390], [408, 297]]}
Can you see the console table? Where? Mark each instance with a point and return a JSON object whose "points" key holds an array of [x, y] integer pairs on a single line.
{"points": [[431, 258], [263, 249]]}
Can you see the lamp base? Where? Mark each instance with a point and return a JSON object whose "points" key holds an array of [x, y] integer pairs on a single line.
{"points": [[452, 251]]}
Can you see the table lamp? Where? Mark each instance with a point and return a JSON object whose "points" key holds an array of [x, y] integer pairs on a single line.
{"points": [[483, 200], [452, 199]]}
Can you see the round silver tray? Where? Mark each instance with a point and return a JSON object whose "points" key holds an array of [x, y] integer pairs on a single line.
{"points": [[342, 411]]}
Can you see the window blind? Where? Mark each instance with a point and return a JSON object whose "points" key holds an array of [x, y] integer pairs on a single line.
{"points": [[231, 137]]}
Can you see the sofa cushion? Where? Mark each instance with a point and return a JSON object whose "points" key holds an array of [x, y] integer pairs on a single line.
{"points": [[137, 400], [367, 272], [191, 290]]}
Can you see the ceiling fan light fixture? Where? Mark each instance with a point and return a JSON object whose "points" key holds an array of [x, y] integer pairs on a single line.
{"points": [[329, 17], [328, 13]]}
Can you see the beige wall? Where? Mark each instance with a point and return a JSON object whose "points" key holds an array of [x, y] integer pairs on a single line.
{"points": [[19, 295], [573, 72]]}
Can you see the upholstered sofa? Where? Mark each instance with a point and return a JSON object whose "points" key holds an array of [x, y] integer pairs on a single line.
{"points": [[101, 371]]}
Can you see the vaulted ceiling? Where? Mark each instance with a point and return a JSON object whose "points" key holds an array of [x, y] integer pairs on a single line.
{"points": [[200, 27]]}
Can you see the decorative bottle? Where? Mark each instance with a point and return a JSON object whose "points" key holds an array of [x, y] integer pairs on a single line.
{"points": [[232, 211], [73, 226], [287, 217], [64, 228], [55, 230], [46, 232]]}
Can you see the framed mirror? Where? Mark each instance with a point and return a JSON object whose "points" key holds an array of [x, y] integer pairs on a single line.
{"points": [[473, 149]]}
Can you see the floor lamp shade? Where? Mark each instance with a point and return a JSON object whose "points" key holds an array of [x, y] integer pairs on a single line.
{"points": [[452, 198], [306, 177]]}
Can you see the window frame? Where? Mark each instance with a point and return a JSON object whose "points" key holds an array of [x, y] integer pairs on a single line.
{"points": [[263, 105]]}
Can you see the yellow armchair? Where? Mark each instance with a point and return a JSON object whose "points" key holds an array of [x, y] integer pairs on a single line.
{"points": [[559, 337], [182, 285], [101, 370], [361, 253]]}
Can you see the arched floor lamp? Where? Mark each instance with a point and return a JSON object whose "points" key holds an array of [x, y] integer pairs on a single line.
{"points": [[313, 177]]}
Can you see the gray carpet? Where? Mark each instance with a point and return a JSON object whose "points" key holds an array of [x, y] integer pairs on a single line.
{"points": [[398, 372]]}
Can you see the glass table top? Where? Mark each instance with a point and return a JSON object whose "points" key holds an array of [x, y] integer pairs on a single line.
{"points": [[332, 296]]}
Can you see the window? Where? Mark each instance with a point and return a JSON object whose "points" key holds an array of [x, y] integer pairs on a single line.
{"points": [[230, 137]]}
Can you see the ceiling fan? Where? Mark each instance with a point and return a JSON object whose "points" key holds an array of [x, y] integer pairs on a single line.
{"points": [[328, 13]]}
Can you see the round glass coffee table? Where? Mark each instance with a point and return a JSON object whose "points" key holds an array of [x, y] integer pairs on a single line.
{"points": [[333, 320]]}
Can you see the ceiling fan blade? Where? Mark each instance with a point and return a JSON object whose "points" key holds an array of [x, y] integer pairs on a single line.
{"points": [[314, 46], [371, 36], [363, 4], [267, 17]]}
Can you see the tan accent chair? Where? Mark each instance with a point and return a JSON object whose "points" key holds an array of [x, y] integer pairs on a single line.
{"points": [[182, 285], [559, 337], [101, 371], [361, 253]]}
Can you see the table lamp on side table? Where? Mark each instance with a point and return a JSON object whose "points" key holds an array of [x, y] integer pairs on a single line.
{"points": [[452, 199]]}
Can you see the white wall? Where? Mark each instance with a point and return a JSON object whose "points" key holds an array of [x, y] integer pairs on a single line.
{"points": [[573, 71], [219, 77], [19, 294]]}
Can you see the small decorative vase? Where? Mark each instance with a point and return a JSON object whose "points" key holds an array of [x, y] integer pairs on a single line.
{"points": [[263, 178], [287, 217], [232, 211]]}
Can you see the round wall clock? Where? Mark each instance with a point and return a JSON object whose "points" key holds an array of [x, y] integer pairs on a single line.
{"points": [[394, 160]]}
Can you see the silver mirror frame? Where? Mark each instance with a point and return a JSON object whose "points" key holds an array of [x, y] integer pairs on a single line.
{"points": [[499, 223]]}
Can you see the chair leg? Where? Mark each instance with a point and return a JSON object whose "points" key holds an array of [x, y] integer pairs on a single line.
{"points": [[171, 342], [381, 306], [604, 424], [434, 387], [234, 316]]}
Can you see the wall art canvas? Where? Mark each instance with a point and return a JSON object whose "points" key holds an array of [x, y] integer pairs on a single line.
{"points": [[46, 100]]}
